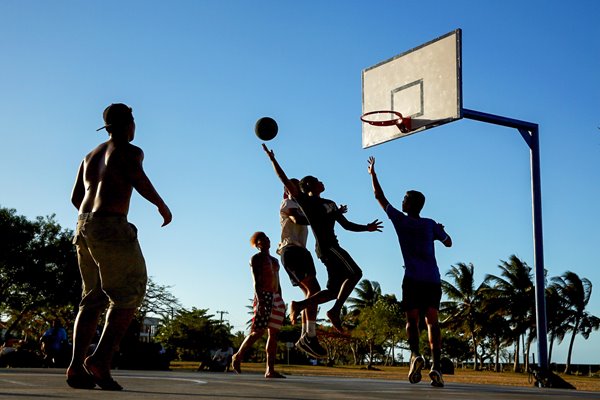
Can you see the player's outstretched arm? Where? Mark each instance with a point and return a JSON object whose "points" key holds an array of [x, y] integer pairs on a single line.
{"points": [[292, 189], [354, 227], [379, 196]]}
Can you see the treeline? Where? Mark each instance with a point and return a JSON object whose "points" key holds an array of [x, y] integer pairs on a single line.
{"points": [[40, 280], [490, 323]]}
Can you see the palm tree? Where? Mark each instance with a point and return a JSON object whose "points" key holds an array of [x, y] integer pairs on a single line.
{"points": [[556, 317], [368, 292], [514, 289], [576, 293], [464, 305]]}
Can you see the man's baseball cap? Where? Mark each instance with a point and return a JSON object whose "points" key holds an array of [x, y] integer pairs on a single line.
{"points": [[117, 114]]}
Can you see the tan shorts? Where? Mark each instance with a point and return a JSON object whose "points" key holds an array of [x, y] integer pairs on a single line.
{"points": [[113, 270]]}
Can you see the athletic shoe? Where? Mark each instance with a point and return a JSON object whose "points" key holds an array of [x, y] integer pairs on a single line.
{"points": [[312, 346], [436, 378], [416, 365]]}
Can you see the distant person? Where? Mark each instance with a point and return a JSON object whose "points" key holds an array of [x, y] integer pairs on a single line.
{"points": [[421, 286], [300, 267], [220, 360], [53, 342], [269, 308], [111, 263], [322, 214]]}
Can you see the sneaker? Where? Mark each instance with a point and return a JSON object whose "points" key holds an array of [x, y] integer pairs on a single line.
{"points": [[312, 346], [416, 365], [436, 378]]}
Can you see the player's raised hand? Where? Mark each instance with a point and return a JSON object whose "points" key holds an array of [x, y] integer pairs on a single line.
{"points": [[270, 153], [376, 225], [371, 168]]}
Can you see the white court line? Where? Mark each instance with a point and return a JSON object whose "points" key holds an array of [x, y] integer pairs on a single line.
{"points": [[199, 382], [16, 382]]}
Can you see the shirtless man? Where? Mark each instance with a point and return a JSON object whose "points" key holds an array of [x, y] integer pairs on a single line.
{"points": [[269, 308], [111, 263]]}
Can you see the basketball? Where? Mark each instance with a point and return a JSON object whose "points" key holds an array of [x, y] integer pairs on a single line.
{"points": [[266, 128]]}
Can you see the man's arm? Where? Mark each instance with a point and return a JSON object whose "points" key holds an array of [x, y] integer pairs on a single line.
{"points": [[383, 202], [78, 192], [142, 184], [257, 279], [291, 188], [351, 226], [448, 240]]}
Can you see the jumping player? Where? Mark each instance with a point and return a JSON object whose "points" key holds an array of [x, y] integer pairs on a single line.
{"points": [[421, 286], [322, 214], [269, 308], [299, 265]]}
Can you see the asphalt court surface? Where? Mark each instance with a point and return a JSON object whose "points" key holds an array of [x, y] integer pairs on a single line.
{"points": [[25, 384]]}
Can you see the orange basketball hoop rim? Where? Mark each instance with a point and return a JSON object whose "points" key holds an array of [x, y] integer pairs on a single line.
{"points": [[403, 123]]}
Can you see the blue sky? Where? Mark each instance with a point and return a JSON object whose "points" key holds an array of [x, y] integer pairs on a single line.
{"points": [[198, 74]]}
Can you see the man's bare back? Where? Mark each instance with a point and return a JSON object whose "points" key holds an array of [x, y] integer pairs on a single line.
{"points": [[104, 173]]}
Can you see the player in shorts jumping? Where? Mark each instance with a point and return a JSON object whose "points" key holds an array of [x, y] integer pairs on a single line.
{"points": [[421, 287], [322, 214], [269, 308], [299, 265]]}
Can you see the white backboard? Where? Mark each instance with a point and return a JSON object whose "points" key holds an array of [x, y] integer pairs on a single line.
{"points": [[424, 83]]}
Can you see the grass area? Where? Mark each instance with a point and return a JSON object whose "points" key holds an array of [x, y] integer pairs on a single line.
{"points": [[400, 373]]}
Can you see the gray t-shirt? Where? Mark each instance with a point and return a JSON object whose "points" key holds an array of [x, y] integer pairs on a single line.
{"points": [[291, 233]]}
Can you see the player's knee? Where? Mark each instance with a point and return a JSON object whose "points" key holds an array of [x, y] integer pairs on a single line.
{"points": [[258, 332], [311, 286]]}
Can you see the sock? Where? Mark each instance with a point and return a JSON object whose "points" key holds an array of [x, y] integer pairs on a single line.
{"points": [[311, 328]]}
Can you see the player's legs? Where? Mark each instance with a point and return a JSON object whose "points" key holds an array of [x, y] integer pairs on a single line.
{"points": [[309, 287], [412, 331], [417, 362], [435, 343], [411, 301], [300, 267], [249, 340], [271, 349], [344, 275], [84, 330], [345, 291], [308, 341], [435, 336], [99, 363], [322, 296]]}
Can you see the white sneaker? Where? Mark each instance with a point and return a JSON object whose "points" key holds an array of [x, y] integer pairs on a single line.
{"points": [[416, 365], [436, 378]]}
